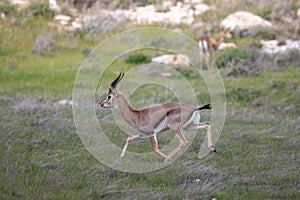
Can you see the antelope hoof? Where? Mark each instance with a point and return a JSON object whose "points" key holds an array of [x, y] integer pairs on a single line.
{"points": [[167, 159], [213, 149]]}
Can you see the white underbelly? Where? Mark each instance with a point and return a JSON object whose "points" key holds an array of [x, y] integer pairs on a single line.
{"points": [[161, 126], [203, 46], [194, 119]]}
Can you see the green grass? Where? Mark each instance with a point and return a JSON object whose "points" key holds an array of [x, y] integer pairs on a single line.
{"points": [[44, 76], [42, 157]]}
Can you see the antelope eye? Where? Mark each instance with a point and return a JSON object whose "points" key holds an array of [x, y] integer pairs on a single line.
{"points": [[109, 97]]}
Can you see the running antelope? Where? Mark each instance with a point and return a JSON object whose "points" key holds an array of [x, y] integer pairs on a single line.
{"points": [[150, 121], [208, 44]]}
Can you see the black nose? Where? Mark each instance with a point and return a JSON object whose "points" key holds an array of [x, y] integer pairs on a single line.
{"points": [[101, 104]]}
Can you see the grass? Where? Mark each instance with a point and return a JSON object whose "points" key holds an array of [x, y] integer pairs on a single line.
{"points": [[39, 79], [42, 157]]}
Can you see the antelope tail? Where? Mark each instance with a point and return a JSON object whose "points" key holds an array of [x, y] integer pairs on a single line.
{"points": [[207, 106]]}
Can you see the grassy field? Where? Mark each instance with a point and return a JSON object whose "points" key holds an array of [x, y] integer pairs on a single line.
{"points": [[42, 157]]}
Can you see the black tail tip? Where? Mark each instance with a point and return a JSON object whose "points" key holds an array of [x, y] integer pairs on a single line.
{"points": [[207, 106]]}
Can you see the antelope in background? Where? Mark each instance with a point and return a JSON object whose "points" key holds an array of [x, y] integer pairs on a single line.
{"points": [[208, 44], [150, 121]]}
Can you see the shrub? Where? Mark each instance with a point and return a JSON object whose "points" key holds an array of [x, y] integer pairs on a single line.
{"points": [[265, 33], [231, 57], [265, 13], [6, 7], [44, 45], [86, 51], [138, 58], [40, 9]]}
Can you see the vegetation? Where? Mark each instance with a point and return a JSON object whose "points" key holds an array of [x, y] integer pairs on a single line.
{"points": [[42, 157], [232, 57], [138, 58]]}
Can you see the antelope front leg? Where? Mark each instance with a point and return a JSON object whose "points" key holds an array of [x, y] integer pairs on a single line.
{"points": [[129, 139]]}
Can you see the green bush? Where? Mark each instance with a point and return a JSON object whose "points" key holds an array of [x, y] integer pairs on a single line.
{"points": [[5, 7], [8, 9], [265, 13], [138, 58], [34, 10], [231, 56], [265, 33], [40, 9]]}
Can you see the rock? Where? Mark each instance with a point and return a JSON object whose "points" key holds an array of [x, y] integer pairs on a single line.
{"points": [[242, 20], [3, 16], [77, 25], [64, 20], [54, 6], [21, 4], [163, 59], [64, 102], [201, 8], [272, 47], [193, 2], [164, 7], [179, 60], [103, 20], [227, 45], [198, 25], [182, 61], [180, 14]]}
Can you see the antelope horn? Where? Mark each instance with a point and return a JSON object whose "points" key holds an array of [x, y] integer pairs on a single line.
{"points": [[117, 80]]}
